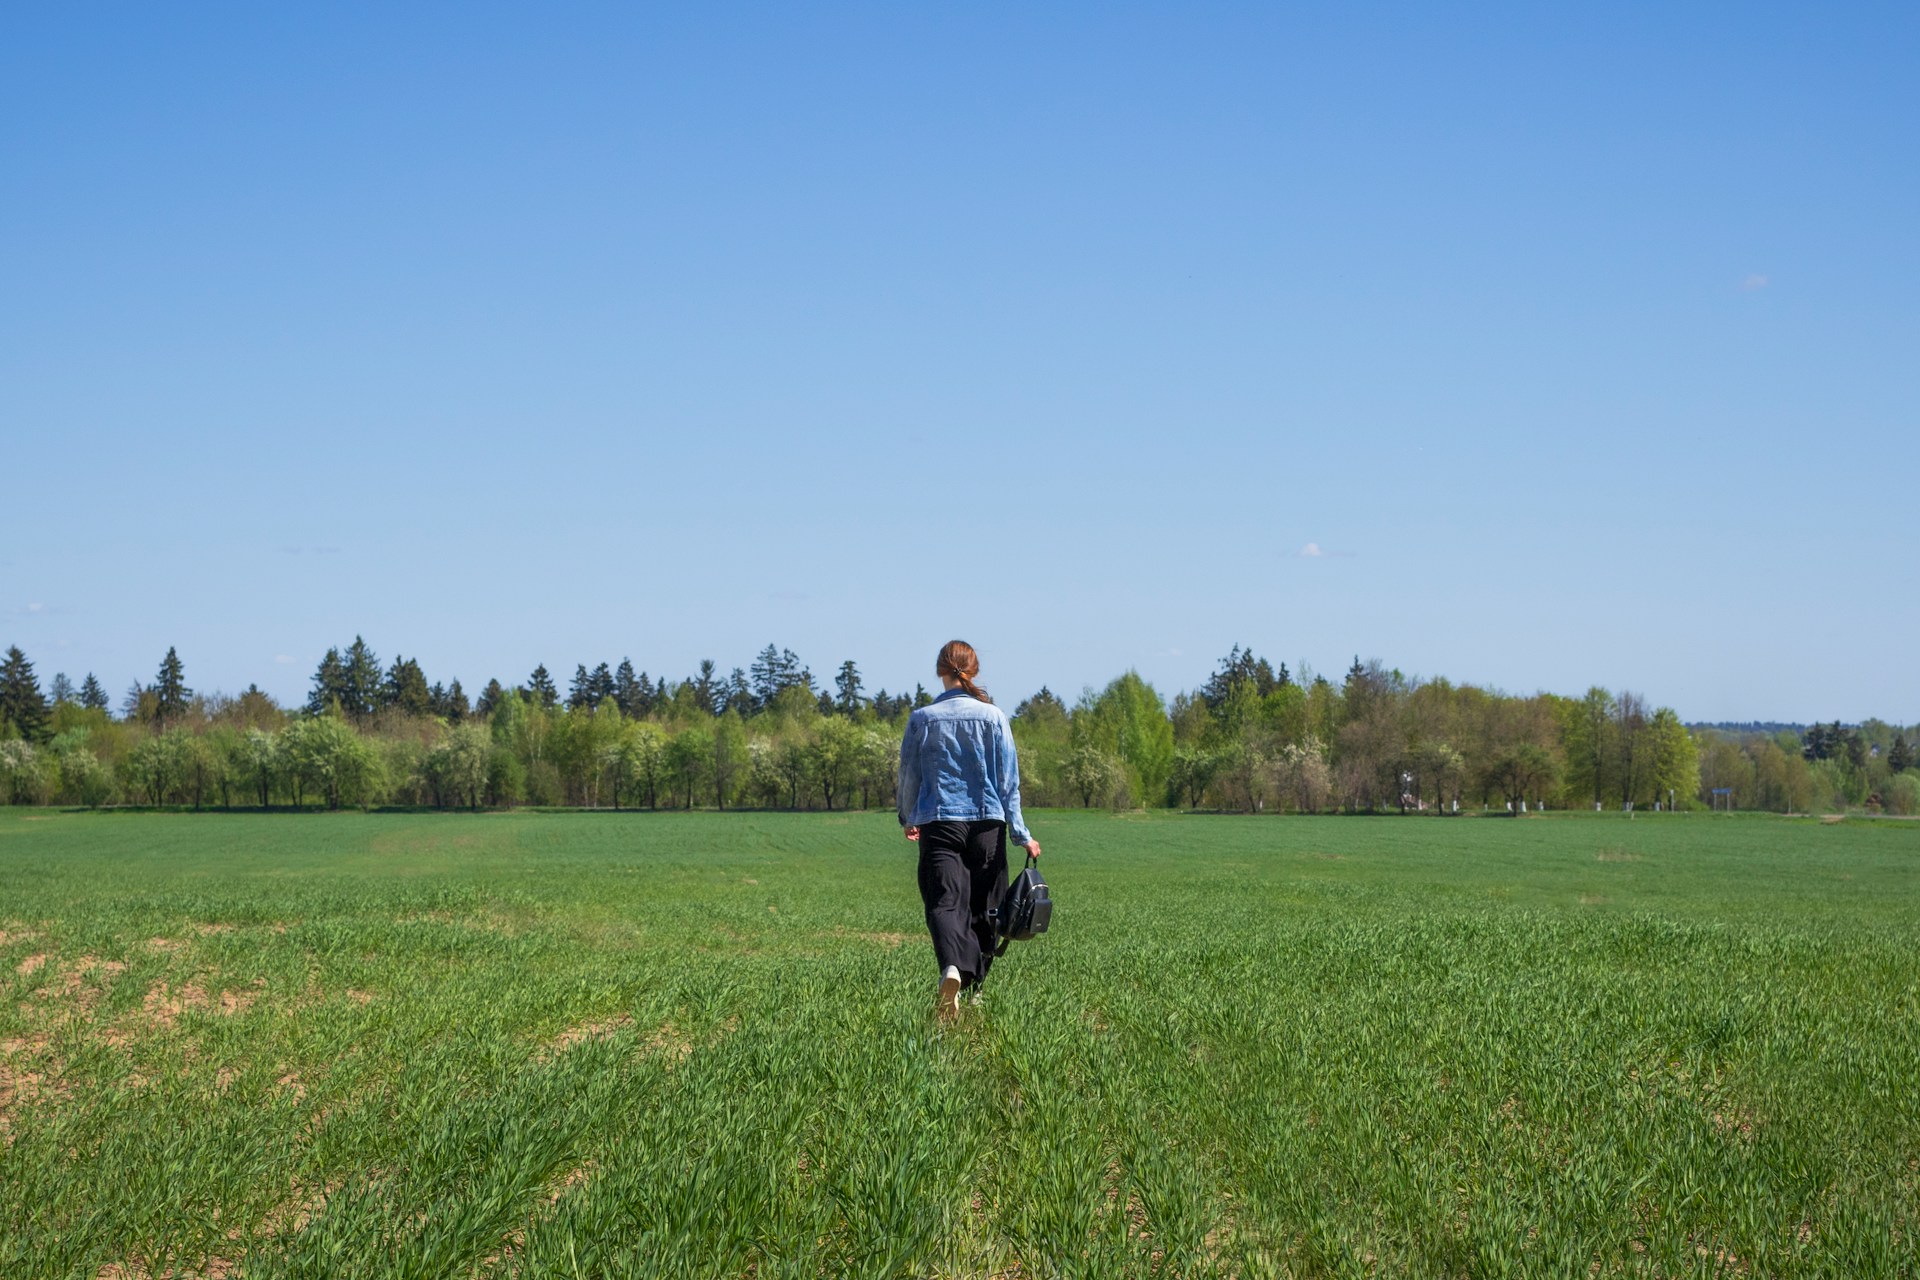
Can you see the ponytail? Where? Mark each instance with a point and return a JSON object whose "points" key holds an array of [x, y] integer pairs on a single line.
{"points": [[957, 659]]}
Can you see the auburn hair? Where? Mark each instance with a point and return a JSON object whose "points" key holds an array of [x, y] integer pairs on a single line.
{"points": [[957, 659]]}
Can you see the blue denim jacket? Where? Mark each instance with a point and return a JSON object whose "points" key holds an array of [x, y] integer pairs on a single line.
{"points": [[957, 764]]}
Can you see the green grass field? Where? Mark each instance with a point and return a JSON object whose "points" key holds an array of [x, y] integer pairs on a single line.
{"points": [[663, 1045]]}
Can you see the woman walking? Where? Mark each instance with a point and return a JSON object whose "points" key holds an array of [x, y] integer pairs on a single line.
{"points": [[959, 794]]}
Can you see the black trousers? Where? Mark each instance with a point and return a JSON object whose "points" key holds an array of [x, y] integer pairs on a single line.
{"points": [[963, 875]]}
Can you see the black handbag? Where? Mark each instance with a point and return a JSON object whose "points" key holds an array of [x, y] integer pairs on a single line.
{"points": [[1025, 911]]}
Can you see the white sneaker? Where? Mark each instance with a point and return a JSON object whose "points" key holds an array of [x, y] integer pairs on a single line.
{"points": [[947, 1003]]}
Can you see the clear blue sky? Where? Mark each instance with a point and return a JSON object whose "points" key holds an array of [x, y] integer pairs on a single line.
{"points": [[1582, 342]]}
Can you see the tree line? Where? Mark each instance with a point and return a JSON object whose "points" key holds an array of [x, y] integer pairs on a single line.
{"points": [[1255, 737]]}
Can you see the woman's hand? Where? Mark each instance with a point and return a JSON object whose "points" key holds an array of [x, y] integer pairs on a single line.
{"points": [[912, 833], [1033, 848]]}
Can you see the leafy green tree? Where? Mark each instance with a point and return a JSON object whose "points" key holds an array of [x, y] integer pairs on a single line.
{"points": [[1193, 772], [689, 763], [1128, 720], [1676, 759], [1300, 771], [633, 759], [170, 691], [83, 779], [835, 756], [458, 764], [1523, 772], [60, 690], [22, 772], [1587, 732], [1092, 774], [260, 757], [21, 705], [729, 756], [326, 754], [877, 758], [92, 696]]}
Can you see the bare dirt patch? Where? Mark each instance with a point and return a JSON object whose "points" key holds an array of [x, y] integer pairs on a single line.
{"points": [[1616, 855], [31, 965], [358, 996], [581, 1033]]}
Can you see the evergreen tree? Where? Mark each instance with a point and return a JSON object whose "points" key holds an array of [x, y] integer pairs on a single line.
{"points": [[580, 691], [630, 692], [454, 706], [405, 688], [1900, 757], [92, 696], [773, 672], [602, 684], [170, 689], [329, 684], [540, 685], [489, 699], [848, 685], [21, 704], [707, 691], [1242, 667], [826, 703], [1044, 703], [739, 695], [921, 698], [61, 690], [364, 678], [137, 705]]}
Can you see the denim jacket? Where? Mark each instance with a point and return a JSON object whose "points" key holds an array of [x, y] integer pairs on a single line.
{"points": [[957, 764]]}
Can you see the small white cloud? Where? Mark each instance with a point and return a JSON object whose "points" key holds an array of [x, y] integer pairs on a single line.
{"points": [[36, 607], [1753, 282], [1311, 551], [283, 659]]}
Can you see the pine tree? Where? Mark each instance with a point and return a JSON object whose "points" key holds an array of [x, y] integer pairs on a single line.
{"points": [[405, 688], [489, 699], [541, 686], [706, 689], [600, 685], [455, 707], [21, 704], [1900, 757], [92, 696], [170, 689], [921, 698], [580, 689], [848, 684], [739, 694], [629, 692], [329, 685], [361, 696]]}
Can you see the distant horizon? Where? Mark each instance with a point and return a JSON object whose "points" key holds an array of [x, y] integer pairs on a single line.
{"points": [[283, 693]]}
